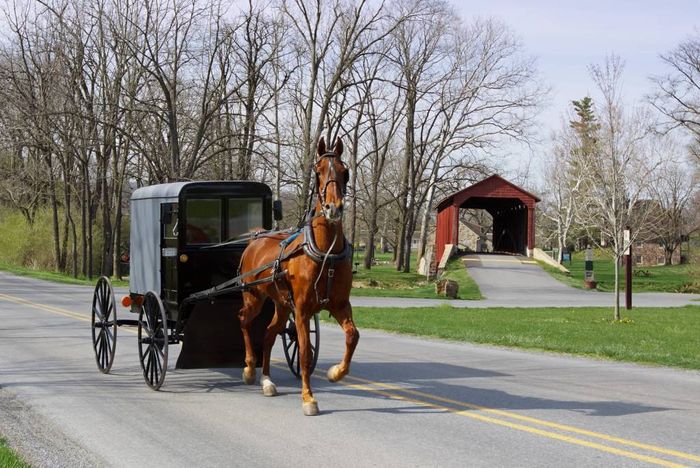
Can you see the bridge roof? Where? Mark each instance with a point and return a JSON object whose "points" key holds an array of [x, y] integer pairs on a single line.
{"points": [[493, 186]]}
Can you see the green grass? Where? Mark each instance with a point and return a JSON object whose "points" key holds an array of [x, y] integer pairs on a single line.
{"points": [[8, 458], [53, 276], [662, 336], [671, 278], [382, 280]]}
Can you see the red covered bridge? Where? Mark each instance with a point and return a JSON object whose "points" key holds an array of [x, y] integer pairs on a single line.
{"points": [[512, 209]]}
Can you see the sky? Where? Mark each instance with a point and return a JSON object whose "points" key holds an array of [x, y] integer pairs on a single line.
{"points": [[567, 36]]}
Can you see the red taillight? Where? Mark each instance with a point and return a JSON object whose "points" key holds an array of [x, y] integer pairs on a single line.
{"points": [[126, 301]]}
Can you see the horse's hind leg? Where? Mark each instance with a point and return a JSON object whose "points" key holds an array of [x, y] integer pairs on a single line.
{"points": [[252, 303], [343, 315], [275, 328]]}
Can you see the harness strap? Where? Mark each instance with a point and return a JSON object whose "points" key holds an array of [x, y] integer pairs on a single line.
{"points": [[316, 254]]}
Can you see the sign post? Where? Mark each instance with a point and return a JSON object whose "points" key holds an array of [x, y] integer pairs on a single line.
{"points": [[628, 267], [588, 277]]}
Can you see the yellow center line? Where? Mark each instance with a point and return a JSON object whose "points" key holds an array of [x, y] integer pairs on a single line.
{"points": [[521, 427], [508, 414], [52, 309], [369, 386]]}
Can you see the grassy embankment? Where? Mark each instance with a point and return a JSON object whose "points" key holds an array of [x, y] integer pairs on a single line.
{"points": [[382, 280], [671, 278], [27, 250], [666, 337], [8, 458]]}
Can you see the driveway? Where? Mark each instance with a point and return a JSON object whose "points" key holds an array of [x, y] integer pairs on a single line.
{"points": [[517, 281]]}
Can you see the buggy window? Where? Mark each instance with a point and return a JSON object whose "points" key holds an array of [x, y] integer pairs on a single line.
{"points": [[203, 221], [244, 214]]}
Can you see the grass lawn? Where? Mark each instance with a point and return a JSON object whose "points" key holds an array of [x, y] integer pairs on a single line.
{"points": [[667, 336], [671, 278], [53, 276], [382, 280], [8, 458]]}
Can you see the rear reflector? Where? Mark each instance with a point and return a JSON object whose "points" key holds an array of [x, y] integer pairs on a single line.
{"points": [[126, 301]]}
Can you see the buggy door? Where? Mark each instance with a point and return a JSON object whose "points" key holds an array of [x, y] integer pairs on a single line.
{"points": [[169, 228]]}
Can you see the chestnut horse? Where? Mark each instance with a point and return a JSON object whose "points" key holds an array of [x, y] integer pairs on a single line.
{"points": [[304, 286]]}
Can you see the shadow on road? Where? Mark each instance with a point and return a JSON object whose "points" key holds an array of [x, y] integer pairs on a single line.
{"points": [[426, 382]]}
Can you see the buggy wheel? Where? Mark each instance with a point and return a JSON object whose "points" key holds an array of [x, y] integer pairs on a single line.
{"points": [[291, 344], [104, 324], [153, 340]]}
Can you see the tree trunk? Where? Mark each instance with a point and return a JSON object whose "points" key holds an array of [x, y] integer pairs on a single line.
{"points": [[54, 214], [84, 209], [372, 232], [63, 266], [107, 238], [560, 254], [617, 289], [407, 200], [425, 221], [668, 255]]}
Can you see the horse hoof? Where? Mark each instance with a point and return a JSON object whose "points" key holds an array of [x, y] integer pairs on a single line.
{"points": [[268, 388], [310, 408], [334, 374], [248, 376]]}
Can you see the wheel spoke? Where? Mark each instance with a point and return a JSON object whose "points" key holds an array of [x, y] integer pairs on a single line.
{"points": [[160, 352], [97, 311], [98, 340], [144, 359], [154, 365], [110, 336], [98, 347], [149, 361], [290, 344], [159, 366], [103, 353], [147, 326]]}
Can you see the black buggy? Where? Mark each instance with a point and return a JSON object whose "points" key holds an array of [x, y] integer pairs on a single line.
{"points": [[186, 243]]}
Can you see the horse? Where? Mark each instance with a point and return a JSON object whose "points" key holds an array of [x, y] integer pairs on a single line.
{"points": [[312, 271]]}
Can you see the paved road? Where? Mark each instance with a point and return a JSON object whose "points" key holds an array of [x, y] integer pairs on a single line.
{"points": [[508, 281], [409, 402]]}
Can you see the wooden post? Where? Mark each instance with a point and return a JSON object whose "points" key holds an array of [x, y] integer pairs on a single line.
{"points": [[628, 268]]}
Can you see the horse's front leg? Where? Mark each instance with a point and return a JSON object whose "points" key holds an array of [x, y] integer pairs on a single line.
{"points": [[343, 314], [275, 328], [252, 303], [309, 404]]}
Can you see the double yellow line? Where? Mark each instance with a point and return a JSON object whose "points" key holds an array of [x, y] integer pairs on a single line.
{"points": [[505, 418], [540, 427]]}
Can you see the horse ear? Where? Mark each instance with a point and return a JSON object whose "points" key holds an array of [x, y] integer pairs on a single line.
{"points": [[338, 148], [321, 146]]}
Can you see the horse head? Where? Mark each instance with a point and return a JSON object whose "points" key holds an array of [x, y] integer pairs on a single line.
{"points": [[331, 180]]}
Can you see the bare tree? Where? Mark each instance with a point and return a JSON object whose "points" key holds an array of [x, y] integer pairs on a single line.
{"points": [[467, 88], [673, 191], [329, 38], [618, 174], [577, 141], [677, 94]]}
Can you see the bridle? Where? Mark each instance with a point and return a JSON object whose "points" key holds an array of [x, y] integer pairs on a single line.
{"points": [[333, 177]]}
